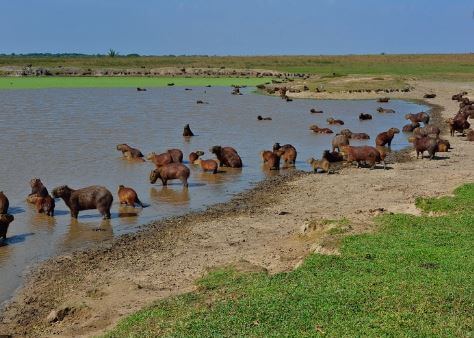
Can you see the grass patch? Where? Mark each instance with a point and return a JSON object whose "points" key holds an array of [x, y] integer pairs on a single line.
{"points": [[413, 277], [121, 82]]}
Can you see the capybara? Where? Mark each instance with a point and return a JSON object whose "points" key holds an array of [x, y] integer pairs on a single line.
{"points": [[319, 164], [227, 156], [5, 220], [458, 124], [45, 205], [346, 132], [457, 97], [170, 171], [287, 152], [4, 203], [194, 156], [363, 117], [129, 152], [386, 137], [161, 159], [141, 89], [443, 146], [93, 197], [272, 158], [427, 130], [385, 111], [334, 121], [37, 190], [260, 118], [429, 96], [408, 128], [128, 196], [314, 111], [425, 143], [318, 130], [338, 141], [176, 155], [187, 130], [208, 165], [366, 154], [360, 136], [418, 117], [333, 156], [470, 135], [383, 99]]}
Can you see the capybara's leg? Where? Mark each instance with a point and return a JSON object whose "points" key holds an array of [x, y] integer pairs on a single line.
{"points": [[164, 181], [214, 171], [417, 154], [74, 213], [185, 182], [384, 166]]}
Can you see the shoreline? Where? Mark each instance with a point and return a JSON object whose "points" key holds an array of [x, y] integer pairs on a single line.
{"points": [[264, 211]]}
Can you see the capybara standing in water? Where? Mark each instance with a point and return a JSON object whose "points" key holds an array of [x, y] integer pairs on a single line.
{"points": [[170, 171], [45, 205], [227, 156], [338, 141], [425, 143], [271, 159], [176, 155], [364, 117], [287, 152], [194, 156], [187, 131], [5, 220], [128, 152], [161, 159], [367, 154], [319, 164], [128, 196], [208, 165], [418, 117], [37, 190], [93, 197], [4, 203], [386, 137]]}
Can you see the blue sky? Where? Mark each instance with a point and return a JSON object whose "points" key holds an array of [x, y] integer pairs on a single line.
{"points": [[237, 27]]}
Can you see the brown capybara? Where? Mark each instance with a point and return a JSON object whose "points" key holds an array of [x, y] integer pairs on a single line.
{"points": [[385, 111], [470, 135], [458, 124], [176, 155], [128, 196], [366, 154], [346, 132], [260, 118], [194, 156], [457, 97], [208, 165], [227, 156], [4, 203], [332, 156], [45, 205], [408, 128], [334, 121], [287, 152], [319, 164], [128, 152], [427, 130], [5, 220], [93, 197], [418, 117], [338, 141], [314, 111], [37, 190], [187, 130], [386, 137], [360, 136], [271, 159], [172, 171], [425, 143], [318, 130], [383, 99], [429, 96], [443, 146], [363, 117], [160, 159]]}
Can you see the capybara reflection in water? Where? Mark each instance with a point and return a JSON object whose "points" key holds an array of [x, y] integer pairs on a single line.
{"points": [[208, 165], [4, 203], [418, 117], [194, 156], [319, 164], [287, 152], [128, 196], [338, 141], [160, 159], [363, 117], [93, 197], [172, 171], [386, 137], [129, 153], [37, 190], [176, 155], [334, 121], [364, 154], [187, 130], [5, 220], [227, 156], [271, 159]]}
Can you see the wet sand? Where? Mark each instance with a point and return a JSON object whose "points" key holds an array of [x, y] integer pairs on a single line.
{"points": [[266, 227]]}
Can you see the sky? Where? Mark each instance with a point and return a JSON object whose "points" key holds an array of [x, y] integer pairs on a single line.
{"points": [[237, 27]]}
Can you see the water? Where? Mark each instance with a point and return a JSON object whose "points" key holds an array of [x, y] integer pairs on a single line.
{"points": [[68, 136]]}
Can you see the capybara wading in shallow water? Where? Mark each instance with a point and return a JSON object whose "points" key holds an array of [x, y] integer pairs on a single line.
{"points": [[161, 159], [208, 165], [172, 171], [386, 137], [287, 152], [128, 152], [227, 156], [128, 196], [93, 197], [187, 130], [45, 205], [271, 159], [338, 141], [176, 155], [4, 203], [37, 190], [194, 156], [367, 154], [364, 117], [319, 164], [5, 220]]}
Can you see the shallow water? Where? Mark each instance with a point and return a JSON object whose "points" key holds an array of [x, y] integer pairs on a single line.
{"points": [[68, 136]]}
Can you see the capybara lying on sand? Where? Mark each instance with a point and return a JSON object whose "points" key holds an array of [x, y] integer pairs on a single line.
{"points": [[172, 171], [93, 197], [386, 137], [128, 196], [227, 156]]}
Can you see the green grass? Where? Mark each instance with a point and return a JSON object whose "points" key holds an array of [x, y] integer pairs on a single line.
{"points": [[411, 278], [112, 82]]}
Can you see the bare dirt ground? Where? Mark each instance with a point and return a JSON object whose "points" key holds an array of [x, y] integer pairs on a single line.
{"points": [[271, 227]]}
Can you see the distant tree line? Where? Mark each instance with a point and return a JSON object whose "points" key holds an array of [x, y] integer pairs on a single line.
{"points": [[110, 53]]}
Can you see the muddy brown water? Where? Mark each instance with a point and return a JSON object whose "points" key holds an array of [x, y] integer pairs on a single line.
{"points": [[68, 136]]}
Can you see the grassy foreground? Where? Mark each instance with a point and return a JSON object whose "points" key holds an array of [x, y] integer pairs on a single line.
{"points": [[126, 82], [413, 277]]}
